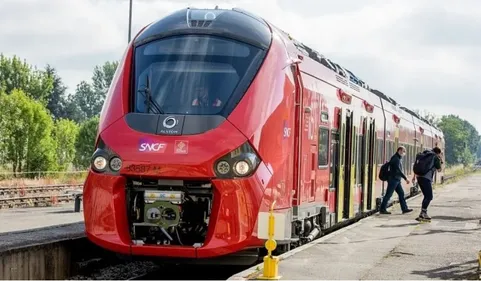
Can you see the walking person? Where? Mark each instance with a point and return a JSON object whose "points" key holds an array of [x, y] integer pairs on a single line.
{"points": [[394, 182], [426, 163]]}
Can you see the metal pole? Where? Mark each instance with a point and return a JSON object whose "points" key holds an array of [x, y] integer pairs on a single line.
{"points": [[130, 19]]}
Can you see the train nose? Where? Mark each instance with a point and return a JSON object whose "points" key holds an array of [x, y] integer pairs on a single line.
{"points": [[169, 156]]}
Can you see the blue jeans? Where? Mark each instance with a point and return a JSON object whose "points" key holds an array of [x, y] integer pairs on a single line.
{"points": [[394, 185]]}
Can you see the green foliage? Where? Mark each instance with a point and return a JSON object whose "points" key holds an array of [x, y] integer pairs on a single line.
{"points": [[89, 98], [478, 154], [15, 74], [103, 77], [26, 127], [57, 99], [85, 143], [462, 140], [41, 127], [65, 135]]}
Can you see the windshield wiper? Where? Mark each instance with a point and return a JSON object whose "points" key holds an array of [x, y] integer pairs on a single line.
{"points": [[148, 97]]}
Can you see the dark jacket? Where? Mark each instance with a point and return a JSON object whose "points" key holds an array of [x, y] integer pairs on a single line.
{"points": [[436, 166], [396, 168]]}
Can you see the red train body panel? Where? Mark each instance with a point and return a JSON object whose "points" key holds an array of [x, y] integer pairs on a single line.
{"points": [[293, 127]]}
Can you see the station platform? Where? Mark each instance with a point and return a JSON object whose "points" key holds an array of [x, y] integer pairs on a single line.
{"points": [[396, 246], [41, 243], [21, 219]]}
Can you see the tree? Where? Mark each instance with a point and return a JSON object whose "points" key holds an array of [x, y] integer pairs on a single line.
{"points": [[462, 139], [103, 76], [478, 154], [57, 97], [42, 147], [89, 98], [15, 74], [87, 101], [26, 129], [85, 143], [65, 135]]}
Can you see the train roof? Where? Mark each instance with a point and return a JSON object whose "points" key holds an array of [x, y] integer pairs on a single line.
{"points": [[236, 24], [344, 72]]}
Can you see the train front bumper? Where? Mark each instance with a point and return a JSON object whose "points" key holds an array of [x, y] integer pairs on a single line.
{"points": [[232, 225]]}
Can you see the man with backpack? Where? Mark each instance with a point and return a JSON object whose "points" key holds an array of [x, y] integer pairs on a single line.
{"points": [[392, 172], [426, 163]]}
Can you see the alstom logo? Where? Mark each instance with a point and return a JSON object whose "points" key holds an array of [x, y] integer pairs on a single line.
{"points": [[151, 146]]}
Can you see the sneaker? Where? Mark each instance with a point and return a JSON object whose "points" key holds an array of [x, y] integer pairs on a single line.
{"points": [[423, 216], [407, 211], [384, 212]]}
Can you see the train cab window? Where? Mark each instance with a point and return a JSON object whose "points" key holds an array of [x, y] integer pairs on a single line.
{"points": [[323, 147], [181, 74]]}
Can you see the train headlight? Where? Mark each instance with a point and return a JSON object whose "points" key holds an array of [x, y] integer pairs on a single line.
{"points": [[241, 168], [115, 164], [104, 160], [100, 163], [241, 162], [223, 167]]}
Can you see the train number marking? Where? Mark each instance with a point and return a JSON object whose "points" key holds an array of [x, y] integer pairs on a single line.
{"points": [[138, 168]]}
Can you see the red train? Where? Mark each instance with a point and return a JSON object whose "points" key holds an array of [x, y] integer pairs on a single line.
{"points": [[214, 114]]}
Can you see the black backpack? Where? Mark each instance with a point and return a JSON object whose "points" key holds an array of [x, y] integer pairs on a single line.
{"points": [[384, 171], [423, 163]]}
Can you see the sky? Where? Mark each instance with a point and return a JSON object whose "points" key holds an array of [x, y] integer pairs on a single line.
{"points": [[424, 54]]}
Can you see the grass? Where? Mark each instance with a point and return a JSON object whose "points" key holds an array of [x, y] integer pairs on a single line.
{"points": [[459, 172], [73, 177]]}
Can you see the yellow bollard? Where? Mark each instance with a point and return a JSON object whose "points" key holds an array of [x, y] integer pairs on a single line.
{"points": [[479, 265], [271, 263]]}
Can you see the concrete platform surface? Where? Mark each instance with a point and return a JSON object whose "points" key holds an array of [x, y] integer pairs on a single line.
{"points": [[40, 236], [19, 219], [397, 246]]}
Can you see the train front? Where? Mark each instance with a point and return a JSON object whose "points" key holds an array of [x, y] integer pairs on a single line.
{"points": [[171, 176]]}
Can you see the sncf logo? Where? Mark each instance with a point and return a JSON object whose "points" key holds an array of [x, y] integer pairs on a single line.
{"points": [[151, 146]]}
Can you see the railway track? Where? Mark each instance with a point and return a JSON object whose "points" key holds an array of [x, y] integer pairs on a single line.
{"points": [[24, 190], [37, 196]]}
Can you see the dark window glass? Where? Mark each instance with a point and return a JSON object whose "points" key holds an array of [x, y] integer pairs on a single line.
{"points": [[192, 74], [323, 147], [359, 163]]}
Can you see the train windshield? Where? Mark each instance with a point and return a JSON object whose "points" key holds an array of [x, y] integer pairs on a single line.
{"points": [[192, 74]]}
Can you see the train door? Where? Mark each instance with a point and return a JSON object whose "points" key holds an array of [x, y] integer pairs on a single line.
{"points": [[309, 149], [396, 145], [371, 173], [348, 169], [364, 163], [306, 147], [298, 133], [334, 168], [312, 175], [338, 140]]}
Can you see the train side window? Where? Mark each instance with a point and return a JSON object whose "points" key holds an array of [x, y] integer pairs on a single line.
{"points": [[360, 149], [380, 149], [323, 140], [407, 160], [354, 151]]}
